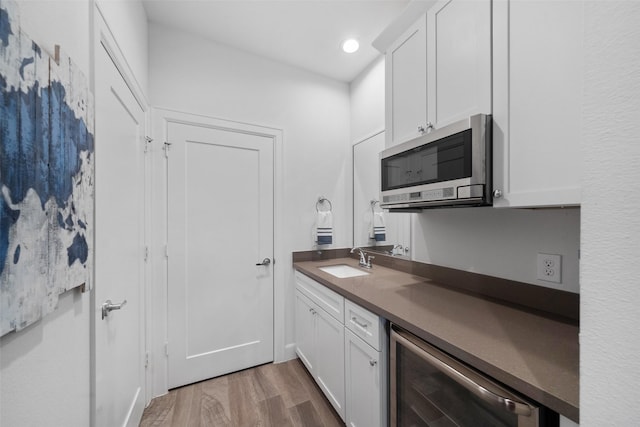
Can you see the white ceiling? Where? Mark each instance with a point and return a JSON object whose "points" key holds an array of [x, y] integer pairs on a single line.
{"points": [[303, 33]]}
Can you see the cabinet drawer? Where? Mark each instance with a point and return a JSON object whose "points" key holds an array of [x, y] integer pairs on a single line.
{"points": [[325, 298], [364, 324]]}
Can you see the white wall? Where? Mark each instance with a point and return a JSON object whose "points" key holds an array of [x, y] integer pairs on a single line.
{"points": [[44, 369], [194, 75], [500, 242], [367, 101], [610, 267]]}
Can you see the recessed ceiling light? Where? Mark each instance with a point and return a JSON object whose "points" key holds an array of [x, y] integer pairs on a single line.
{"points": [[350, 45]]}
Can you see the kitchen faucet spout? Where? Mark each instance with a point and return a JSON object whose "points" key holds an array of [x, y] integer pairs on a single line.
{"points": [[364, 260]]}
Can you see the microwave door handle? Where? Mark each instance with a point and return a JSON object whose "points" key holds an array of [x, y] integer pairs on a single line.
{"points": [[479, 390]]}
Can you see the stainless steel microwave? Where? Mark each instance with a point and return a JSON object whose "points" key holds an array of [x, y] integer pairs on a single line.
{"points": [[450, 166]]}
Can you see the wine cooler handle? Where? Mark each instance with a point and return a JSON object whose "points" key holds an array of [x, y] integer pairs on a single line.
{"points": [[480, 390]]}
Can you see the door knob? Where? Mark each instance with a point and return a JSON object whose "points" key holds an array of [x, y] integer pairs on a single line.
{"points": [[108, 306], [265, 261]]}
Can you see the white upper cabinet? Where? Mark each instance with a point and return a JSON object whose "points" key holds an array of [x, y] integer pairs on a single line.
{"points": [[537, 77], [458, 60], [520, 60], [406, 85], [439, 70]]}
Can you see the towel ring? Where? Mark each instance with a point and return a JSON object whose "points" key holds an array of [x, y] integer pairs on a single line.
{"points": [[373, 205], [320, 201]]}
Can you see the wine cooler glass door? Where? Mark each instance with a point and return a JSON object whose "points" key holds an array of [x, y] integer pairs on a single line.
{"points": [[429, 388]]}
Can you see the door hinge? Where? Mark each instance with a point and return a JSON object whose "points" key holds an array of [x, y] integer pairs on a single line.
{"points": [[146, 253], [146, 360], [166, 349], [147, 143], [166, 147], [166, 251]]}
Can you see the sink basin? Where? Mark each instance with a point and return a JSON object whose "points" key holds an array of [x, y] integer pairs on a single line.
{"points": [[343, 271]]}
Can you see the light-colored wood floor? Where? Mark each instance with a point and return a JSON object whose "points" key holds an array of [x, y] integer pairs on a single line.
{"points": [[279, 395]]}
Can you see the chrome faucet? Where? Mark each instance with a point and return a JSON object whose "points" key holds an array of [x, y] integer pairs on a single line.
{"points": [[365, 261], [393, 250]]}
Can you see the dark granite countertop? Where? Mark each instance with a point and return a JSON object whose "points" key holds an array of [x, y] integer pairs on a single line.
{"points": [[535, 355]]}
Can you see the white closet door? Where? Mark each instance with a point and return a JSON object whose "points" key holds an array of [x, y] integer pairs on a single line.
{"points": [[220, 227]]}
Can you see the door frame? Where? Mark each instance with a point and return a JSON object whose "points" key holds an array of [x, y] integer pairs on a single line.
{"points": [[160, 119], [102, 38]]}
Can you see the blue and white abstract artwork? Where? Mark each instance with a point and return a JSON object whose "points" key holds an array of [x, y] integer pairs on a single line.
{"points": [[46, 177]]}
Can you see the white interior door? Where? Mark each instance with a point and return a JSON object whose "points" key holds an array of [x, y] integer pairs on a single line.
{"points": [[119, 337], [220, 219]]}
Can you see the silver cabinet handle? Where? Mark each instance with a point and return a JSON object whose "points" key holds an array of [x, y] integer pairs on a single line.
{"points": [[373, 362], [265, 261], [362, 325], [108, 306], [423, 129]]}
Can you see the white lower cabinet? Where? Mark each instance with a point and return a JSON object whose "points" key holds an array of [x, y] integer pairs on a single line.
{"points": [[329, 364], [320, 346], [365, 361], [365, 383], [305, 331], [347, 358]]}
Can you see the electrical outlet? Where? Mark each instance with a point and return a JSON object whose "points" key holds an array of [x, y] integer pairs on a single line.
{"points": [[550, 268]]}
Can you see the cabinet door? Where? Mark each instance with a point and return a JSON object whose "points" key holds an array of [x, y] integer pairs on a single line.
{"points": [[458, 60], [537, 78], [406, 85], [329, 357], [305, 331], [364, 383]]}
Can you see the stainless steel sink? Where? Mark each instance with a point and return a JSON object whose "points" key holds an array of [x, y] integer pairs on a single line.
{"points": [[343, 271]]}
